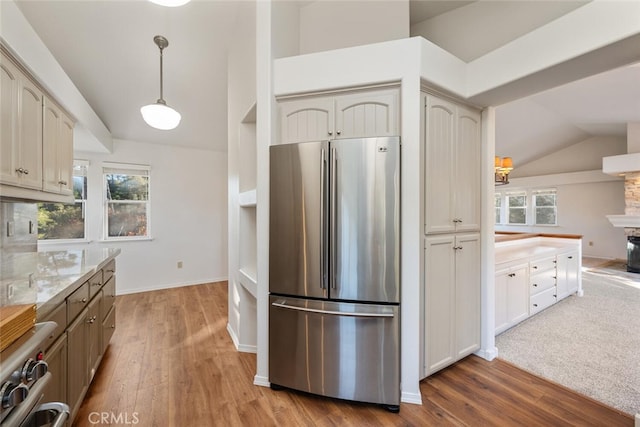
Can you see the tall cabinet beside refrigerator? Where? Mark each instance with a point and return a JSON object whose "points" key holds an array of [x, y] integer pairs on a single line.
{"points": [[334, 269]]}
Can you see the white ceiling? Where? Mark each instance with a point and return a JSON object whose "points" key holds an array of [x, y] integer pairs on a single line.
{"points": [[107, 49]]}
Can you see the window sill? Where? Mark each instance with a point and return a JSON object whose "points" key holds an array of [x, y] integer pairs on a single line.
{"points": [[126, 239], [63, 242]]}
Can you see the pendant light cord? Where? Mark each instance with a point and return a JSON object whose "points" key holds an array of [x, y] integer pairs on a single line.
{"points": [[161, 94]]}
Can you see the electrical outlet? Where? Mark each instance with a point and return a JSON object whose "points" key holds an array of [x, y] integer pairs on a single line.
{"points": [[590, 243], [179, 264]]}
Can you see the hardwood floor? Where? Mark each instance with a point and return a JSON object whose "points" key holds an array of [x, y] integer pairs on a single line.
{"points": [[171, 363]]}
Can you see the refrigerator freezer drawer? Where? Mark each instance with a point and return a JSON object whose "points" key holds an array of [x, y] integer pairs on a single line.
{"points": [[343, 350]]}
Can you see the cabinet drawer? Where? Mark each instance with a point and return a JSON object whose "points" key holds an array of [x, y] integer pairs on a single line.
{"points": [[108, 328], [108, 297], [59, 315], [542, 281], [77, 301], [542, 264], [95, 283], [542, 300], [108, 271]]}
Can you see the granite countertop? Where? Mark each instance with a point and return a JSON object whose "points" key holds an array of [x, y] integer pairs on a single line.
{"points": [[46, 278]]}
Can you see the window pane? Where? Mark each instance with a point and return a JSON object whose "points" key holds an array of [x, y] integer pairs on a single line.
{"points": [[127, 219], [546, 215], [80, 187], [517, 201], [545, 200], [60, 221], [127, 187], [517, 216]]}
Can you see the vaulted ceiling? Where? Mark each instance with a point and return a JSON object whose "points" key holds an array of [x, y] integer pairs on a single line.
{"points": [[107, 49]]}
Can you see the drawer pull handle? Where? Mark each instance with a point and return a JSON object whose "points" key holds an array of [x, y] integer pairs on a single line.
{"points": [[512, 274], [113, 326], [111, 271], [535, 267], [96, 284], [535, 285], [570, 257], [83, 300], [535, 305]]}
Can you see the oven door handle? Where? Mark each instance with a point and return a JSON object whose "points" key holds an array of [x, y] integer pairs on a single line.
{"points": [[61, 409]]}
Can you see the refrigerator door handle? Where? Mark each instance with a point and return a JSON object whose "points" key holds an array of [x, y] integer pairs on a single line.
{"points": [[323, 220], [283, 304], [333, 219]]}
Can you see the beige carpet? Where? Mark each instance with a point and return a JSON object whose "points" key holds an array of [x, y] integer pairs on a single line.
{"points": [[590, 344]]}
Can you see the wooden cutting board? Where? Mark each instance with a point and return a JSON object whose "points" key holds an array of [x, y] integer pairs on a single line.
{"points": [[15, 320]]}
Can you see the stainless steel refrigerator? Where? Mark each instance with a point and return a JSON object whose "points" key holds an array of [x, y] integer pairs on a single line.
{"points": [[334, 269]]}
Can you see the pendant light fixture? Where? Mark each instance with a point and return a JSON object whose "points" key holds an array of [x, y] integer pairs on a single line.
{"points": [[160, 115]]}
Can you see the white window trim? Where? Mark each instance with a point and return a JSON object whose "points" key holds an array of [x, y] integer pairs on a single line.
{"points": [[105, 232]]}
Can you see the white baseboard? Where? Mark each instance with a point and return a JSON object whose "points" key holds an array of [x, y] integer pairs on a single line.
{"points": [[487, 354], [261, 381], [637, 423], [414, 398], [247, 348], [233, 336], [168, 286]]}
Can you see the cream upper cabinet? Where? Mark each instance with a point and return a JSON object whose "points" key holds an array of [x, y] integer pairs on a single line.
{"points": [[452, 167], [348, 115], [22, 128], [452, 299], [57, 149]]}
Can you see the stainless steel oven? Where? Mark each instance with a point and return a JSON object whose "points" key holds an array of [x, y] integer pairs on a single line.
{"points": [[23, 379]]}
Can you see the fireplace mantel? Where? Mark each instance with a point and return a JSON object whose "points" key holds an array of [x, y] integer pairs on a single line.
{"points": [[626, 221]]}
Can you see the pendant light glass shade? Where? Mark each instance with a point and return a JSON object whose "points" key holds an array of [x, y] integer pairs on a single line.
{"points": [[160, 115], [170, 3]]}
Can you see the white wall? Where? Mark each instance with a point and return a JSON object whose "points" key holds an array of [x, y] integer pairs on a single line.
{"points": [[327, 25], [188, 219], [584, 195]]}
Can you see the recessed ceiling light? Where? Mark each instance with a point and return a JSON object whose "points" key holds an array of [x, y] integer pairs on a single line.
{"points": [[170, 3]]}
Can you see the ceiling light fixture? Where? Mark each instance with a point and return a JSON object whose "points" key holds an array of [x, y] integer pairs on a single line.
{"points": [[503, 166], [170, 3], [160, 115]]}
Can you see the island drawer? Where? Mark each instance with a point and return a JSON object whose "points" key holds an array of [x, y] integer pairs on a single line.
{"points": [[77, 301], [542, 300], [109, 270], [542, 264], [95, 284], [542, 281]]}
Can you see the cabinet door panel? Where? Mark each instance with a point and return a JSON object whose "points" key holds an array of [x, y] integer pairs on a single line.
{"points": [[439, 303], [517, 296], [501, 286], [306, 120], [8, 125], [367, 114], [50, 130], [467, 299], [56, 358], [30, 134], [467, 170], [77, 362], [65, 156], [440, 134]]}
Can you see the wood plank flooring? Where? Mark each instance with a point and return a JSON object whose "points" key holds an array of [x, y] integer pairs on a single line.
{"points": [[171, 363]]}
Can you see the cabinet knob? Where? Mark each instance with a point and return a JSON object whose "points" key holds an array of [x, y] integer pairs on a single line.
{"points": [[25, 171], [83, 300], [513, 275], [535, 305], [20, 170], [339, 132], [535, 285], [330, 133], [455, 248], [570, 257], [61, 182], [535, 267]]}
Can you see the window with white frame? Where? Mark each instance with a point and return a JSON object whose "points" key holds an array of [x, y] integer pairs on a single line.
{"points": [[544, 207], [516, 204], [498, 206], [66, 221], [126, 201]]}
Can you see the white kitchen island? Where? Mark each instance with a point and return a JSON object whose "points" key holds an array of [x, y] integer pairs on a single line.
{"points": [[533, 272]]}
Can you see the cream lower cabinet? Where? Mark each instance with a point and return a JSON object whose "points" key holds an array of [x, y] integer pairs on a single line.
{"points": [[357, 114], [452, 299], [568, 271], [512, 295]]}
